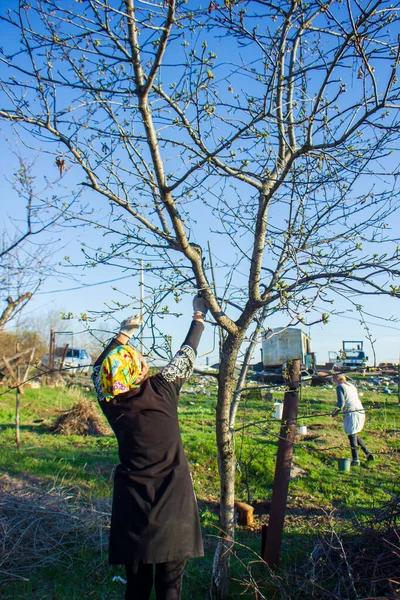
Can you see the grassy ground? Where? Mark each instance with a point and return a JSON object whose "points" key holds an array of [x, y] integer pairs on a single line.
{"points": [[78, 470]]}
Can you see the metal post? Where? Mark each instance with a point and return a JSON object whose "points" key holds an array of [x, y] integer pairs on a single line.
{"points": [[273, 538], [141, 305]]}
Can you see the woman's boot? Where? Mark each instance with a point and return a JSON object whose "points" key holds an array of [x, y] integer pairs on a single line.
{"points": [[364, 448], [354, 450]]}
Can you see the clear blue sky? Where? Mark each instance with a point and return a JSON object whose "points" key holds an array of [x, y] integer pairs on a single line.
{"points": [[86, 292]]}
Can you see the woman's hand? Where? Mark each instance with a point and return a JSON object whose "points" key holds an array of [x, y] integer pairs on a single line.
{"points": [[144, 371], [130, 326], [199, 306]]}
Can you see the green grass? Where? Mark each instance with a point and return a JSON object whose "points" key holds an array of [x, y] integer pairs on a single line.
{"points": [[83, 466], [84, 462]]}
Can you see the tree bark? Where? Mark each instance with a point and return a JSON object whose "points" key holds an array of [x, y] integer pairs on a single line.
{"points": [[226, 466], [245, 368], [11, 308]]}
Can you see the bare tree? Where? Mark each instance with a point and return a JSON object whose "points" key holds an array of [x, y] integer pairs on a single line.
{"points": [[25, 248], [267, 127]]}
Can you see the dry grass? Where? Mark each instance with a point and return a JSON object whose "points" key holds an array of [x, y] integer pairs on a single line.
{"points": [[360, 563], [83, 418], [42, 527]]}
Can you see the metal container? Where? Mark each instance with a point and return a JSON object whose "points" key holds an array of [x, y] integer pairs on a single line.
{"points": [[343, 464], [284, 344], [303, 429]]}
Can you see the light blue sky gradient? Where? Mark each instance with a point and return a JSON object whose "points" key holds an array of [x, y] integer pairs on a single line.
{"points": [[92, 295]]}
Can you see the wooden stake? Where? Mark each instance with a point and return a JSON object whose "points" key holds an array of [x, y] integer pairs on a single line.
{"points": [[17, 407], [28, 368], [64, 354], [51, 350], [13, 375], [17, 356]]}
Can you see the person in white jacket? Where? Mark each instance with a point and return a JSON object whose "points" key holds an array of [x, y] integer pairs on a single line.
{"points": [[350, 404]]}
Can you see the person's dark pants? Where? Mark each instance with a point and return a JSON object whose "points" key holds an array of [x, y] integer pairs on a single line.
{"points": [[356, 441], [167, 580]]}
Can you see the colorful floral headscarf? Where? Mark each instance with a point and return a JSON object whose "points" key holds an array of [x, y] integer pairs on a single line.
{"points": [[119, 371]]}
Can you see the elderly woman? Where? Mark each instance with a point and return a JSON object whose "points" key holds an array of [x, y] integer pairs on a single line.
{"points": [[154, 517], [349, 403]]}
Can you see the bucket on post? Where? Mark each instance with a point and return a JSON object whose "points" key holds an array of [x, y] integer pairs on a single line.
{"points": [[278, 410], [343, 464], [303, 430]]}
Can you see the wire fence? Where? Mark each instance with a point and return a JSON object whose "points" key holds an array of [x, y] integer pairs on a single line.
{"points": [[264, 427]]}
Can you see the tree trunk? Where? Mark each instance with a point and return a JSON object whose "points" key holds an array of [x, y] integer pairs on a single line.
{"points": [[226, 465], [245, 368], [373, 351]]}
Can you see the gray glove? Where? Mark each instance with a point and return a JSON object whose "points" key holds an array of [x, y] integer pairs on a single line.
{"points": [[131, 325], [199, 304]]}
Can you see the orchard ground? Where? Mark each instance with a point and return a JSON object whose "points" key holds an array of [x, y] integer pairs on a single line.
{"points": [[74, 474]]}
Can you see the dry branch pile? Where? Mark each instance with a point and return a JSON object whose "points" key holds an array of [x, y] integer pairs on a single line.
{"points": [[42, 528], [82, 419], [362, 562]]}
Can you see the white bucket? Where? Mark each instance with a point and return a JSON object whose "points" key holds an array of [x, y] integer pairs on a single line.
{"points": [[278, 410], [303, 429]]}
